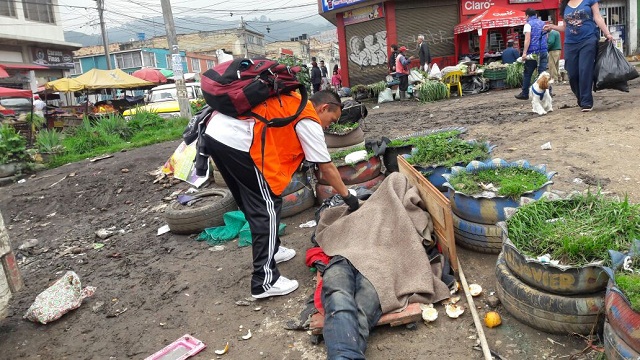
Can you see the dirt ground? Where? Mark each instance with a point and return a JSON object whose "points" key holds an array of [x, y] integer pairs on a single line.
{"points": [[153, 289]]}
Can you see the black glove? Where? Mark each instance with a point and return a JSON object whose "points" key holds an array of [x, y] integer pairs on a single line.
{"points": [[351, 201]]}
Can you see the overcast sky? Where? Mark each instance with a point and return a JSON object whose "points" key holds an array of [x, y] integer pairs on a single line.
{"points": [[81, 15]]}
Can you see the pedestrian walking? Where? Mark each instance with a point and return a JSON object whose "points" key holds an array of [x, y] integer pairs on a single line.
{"points": [[316, 77], [325, 76], [554, 47], [534, 53], [580, 26], [336, 80]]}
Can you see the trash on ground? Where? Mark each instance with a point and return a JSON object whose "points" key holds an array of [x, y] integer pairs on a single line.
{"points": [[22, 181], [454, 311], [101, 158], [248, 336], [235, 225], [64, 295], [492, 319], [98, 246], [475, 289], [217, 248], [28, 244], [183, 348], [257, 308], [308, 224], [223, 351], [546, 146], [355, 156], [376, 107], [243, 303], [429, 313], [107, 233], [163, 229]]}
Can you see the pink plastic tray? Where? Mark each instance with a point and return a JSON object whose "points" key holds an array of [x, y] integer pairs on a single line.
{"points": [[181, 349]]}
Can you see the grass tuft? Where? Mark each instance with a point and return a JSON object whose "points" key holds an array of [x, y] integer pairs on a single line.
{"points": [[510, 181], [446, 149]]}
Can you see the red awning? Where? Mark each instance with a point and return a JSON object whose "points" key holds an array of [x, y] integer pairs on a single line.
{"points": [[9, 92], [23, 67], [494, 17], [3, 73]]}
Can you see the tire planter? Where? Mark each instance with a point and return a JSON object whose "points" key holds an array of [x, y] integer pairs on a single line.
{"points": [[351, 174], [624, 322], [544, 311], [10, 169], [556, 279], [297, 202], [351, 138], [298, 181], [477, 237], [218, 179], [615, 348], [484, 209], [390, 157], [324, 192], [203, 214], [351, 147]]}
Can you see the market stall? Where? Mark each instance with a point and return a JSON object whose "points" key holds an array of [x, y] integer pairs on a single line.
{"points": [[15, 107], [93, 80], [496, 24]]}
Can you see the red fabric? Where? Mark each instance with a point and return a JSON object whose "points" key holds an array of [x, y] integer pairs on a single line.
{"points": [[151, 75], [313, 255], [9, 92], [494, 17]]}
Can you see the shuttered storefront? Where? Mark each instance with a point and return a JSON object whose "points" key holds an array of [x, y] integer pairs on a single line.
{"points": [[367, 52], [435, 19]]}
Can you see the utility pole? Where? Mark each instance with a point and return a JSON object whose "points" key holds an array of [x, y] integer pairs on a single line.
{"points": [[105, 39], [244, 37], [176, 60]]}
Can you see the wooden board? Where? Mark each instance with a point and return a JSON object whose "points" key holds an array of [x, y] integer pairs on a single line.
{"points": [[438, 207]]}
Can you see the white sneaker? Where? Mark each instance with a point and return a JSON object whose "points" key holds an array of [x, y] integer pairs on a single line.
{"points": [[283, 286], [284, 254]]}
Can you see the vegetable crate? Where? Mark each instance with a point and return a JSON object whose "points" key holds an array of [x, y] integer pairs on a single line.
{"points": [[497, 84], [495, 74]]}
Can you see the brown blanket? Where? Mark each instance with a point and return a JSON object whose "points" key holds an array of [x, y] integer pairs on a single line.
{"points": [[383, 240]]}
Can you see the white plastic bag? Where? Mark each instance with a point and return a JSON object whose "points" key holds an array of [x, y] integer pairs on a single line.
{"points": [[385, 95], [63, 296], [415, 76], [435, 72]]}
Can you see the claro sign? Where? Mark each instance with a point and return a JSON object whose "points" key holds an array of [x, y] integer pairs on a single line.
{"points": [[472, 7]]}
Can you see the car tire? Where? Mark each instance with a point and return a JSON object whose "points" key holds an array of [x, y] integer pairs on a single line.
{"points": [[203, 214], [548, 312], [624, 321], [614, 347], [298, 181], [297, 202], [324, 192], [477, 237], [352, 138]]}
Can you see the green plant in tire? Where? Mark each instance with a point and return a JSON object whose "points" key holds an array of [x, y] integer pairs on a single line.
{"points": [[510, 181], [629, 284], [338, 156], [446, 149], [340, 129], [49, 141], [577, 231]]}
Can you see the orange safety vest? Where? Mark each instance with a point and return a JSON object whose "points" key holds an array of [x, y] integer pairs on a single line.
{"points": [[283, 152]]}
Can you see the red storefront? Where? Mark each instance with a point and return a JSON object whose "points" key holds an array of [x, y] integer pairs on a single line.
{"points": [[367, 28]]}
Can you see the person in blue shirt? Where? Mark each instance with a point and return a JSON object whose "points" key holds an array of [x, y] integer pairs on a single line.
{"points": [[581, 22], [510, 54], [534, 52]]}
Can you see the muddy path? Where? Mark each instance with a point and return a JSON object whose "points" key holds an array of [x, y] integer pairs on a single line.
{"points": [[171, 285]]}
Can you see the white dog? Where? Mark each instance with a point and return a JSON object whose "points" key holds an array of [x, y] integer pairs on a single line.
{"points": [[539, 94]]}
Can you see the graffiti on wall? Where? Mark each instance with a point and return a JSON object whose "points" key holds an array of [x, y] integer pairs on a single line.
{"points": [[370, 50]]}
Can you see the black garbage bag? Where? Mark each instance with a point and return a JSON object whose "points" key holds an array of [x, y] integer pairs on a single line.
{"points": [[612, 70]]}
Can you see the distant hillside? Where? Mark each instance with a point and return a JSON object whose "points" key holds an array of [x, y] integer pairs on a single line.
{"points": [[278, 29]]}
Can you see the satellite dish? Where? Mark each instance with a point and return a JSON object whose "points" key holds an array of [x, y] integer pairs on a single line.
{"points": [[131, 40]]}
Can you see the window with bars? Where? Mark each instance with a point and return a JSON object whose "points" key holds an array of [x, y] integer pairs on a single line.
{"points": [[39, 10], [8, 8], [210, 64], [148, 59], [195, 65], [129, 60], [77, 68]]}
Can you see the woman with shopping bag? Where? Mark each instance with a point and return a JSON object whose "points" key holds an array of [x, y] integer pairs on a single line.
{"points": [[582, 22]]}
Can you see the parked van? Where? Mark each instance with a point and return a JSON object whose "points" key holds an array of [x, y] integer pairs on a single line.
{"points": [[163, 100]]}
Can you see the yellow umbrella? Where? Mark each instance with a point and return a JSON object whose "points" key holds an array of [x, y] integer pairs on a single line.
{"points": [[64, 84], [111, 79]]}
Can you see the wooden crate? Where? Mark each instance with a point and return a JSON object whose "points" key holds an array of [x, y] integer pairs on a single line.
{"points": [[438, 207]]}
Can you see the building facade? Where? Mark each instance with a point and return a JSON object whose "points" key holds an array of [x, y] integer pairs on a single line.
{"points": [[32, 46], [126, 60], [367, 28], [200, 62]]}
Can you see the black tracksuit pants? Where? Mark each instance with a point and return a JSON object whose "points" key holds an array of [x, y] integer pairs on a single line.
{"points": [[260, 206]]}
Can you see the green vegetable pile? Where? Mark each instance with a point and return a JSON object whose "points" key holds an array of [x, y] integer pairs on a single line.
{"points": [[430, 91], [446, 149], [515, 74], [510, 181], [577, 231], [376, 88]]}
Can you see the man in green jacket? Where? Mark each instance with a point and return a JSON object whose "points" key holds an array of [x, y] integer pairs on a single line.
{"points": [[554, 46]]}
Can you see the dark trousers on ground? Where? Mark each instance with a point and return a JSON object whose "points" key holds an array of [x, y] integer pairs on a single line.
{"points": [[352, 309], [260, 206], [530, 67], [316, 88], [579, 61], [404, 82]]}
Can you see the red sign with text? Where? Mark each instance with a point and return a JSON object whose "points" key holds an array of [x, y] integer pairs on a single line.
{"points": [[474, 7]]}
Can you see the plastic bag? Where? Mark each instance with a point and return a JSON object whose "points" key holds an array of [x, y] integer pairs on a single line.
{"points": [[64, 295], [385, 95], [612, 70], [415, 76], [435, 72]]}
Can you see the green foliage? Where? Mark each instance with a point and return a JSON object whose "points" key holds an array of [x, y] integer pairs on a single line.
{"points": [[515, 74], [446, 149], [144, 119], [358, 89], [12, 145], [87, 137], [339, 155], [303, 76], [49, 141], [197, 105], [430, 91], [336, 128], [376, 88], [630, 286], [510, 181], [35, 120], [115, 124], [576, 231]]}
